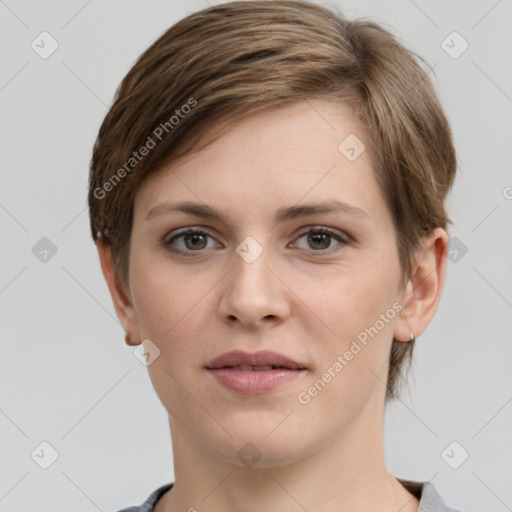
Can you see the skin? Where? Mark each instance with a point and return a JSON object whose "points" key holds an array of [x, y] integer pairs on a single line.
{"points": [[303, 299]]}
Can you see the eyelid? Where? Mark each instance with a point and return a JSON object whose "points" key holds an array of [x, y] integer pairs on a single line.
{"points": [[319, 227], [300, 232], [187, 229]]}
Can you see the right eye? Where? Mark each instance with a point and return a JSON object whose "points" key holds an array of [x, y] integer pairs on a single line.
{"points": [[191, 240]]}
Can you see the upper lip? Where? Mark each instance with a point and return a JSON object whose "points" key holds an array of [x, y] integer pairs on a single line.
{"points": [[262, 358]]}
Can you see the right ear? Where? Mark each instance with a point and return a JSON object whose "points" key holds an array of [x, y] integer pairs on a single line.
{"points": [[122, 301]]}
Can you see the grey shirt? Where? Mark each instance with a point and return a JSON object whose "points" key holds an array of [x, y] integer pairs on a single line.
{"points": [[430, 501]]}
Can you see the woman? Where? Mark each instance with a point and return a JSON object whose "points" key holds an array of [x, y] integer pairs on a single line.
{"points": [[267, 199]]}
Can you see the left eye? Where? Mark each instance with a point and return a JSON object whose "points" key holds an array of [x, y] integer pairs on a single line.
{"points": [[322, 238]]}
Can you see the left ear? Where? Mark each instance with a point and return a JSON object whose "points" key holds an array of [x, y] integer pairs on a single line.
{"points": [[423, 291]]}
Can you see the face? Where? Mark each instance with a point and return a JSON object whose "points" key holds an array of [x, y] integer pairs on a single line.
{"points": [[317, 287]]}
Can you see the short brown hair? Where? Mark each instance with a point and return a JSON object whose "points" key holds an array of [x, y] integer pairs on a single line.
{"points": [[217, 66]]}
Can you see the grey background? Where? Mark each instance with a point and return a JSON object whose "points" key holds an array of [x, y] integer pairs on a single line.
{"points": [[66, 376]]}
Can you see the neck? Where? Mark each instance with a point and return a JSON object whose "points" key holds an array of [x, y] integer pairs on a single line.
{"points": [[347, 473]]}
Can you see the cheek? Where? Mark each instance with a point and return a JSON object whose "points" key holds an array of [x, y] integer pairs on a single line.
{"points": [[171, 313], [358, 309], [164, 297], [351, 370], [355, 298]]}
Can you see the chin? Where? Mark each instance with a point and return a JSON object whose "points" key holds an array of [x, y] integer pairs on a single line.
{"points": [[262, 444], [259, 453]]}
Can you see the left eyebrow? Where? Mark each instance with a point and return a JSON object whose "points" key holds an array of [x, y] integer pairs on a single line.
{"points": [[287, 213]]}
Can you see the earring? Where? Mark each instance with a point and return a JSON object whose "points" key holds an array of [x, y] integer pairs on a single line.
{"points": [[412, 336]]}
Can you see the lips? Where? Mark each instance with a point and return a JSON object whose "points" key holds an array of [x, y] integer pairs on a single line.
{"points": [[256, 361], [256, 373]]}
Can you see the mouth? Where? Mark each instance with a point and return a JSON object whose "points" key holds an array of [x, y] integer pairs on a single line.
{"points": [[254, 373], [259, 361], [249, 368]]}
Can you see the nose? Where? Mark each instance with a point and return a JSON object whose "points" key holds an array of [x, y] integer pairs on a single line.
{"points": [[253, 292]]}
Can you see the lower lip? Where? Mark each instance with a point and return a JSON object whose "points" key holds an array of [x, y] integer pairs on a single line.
{"points": [[254, 382]]}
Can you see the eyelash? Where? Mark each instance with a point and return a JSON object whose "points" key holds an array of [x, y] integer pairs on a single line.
{"points": [[341, 239]]}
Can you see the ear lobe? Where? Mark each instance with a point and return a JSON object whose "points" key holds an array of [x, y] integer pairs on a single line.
{"points": [[423, 291], [129, 341]]}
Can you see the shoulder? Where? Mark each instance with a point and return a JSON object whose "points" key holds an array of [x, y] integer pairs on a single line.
{"points": [[430, 500], [149, 504]]}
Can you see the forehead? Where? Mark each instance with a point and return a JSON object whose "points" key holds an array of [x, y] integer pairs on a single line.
{"points": [[303, 150]]}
